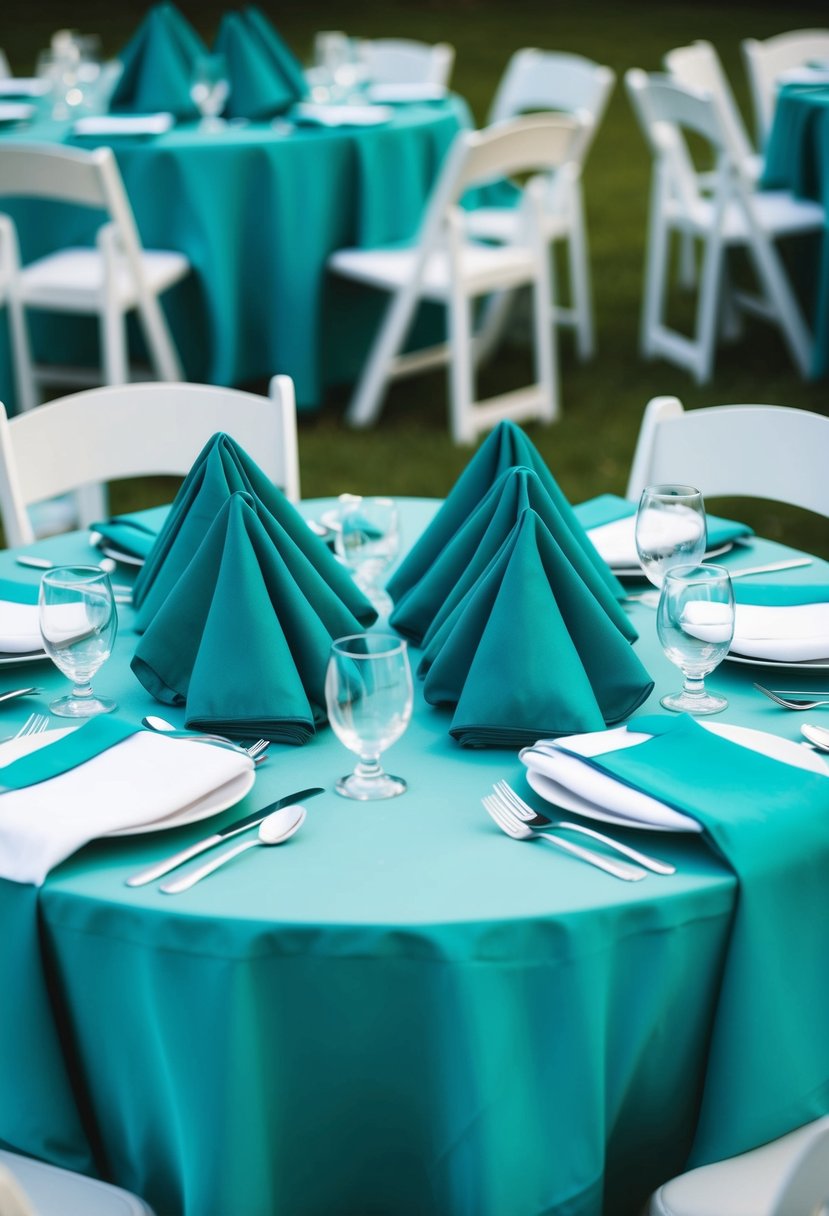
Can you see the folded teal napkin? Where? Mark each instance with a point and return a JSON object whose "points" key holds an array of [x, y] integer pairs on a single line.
{"points": [[607, 508], [242, 639], [158, 65], [19, 593], [467, 554], [89, 740], [265, 76], [769, 821], [221, 469], [530, 649], [784, 588], [130, 534], [505, 446]]}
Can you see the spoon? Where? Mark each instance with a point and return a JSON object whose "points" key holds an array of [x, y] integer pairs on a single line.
{"points": [[818, 736], [276, 829], [163, 727]]}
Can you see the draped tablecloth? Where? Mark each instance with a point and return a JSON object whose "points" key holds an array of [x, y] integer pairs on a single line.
{"points": [[401, 1010], [257, 209]]}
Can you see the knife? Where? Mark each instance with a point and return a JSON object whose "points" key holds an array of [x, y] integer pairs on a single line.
{"points": [[170, 863]]}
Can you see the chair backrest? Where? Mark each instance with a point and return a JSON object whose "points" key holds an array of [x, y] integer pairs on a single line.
{"points": [[406, 61], [742, 451], [766, 59], [805, 1189], [554, 80], [699, 66], [136, 430], [5, 66]]}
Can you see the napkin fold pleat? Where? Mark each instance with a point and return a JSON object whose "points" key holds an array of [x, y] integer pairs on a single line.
{"points": [[158, 65], [768, 820], [265, 77], [529, 649], [243, 637], [128, 535], [506, 446]]}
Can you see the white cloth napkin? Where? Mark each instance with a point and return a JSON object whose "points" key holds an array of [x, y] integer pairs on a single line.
{"points": [[124, 124], [20, 630], [616, 541], [407, 91], [341, 116], [15, 111], [789, 633], [146, 779], [23, 86]]}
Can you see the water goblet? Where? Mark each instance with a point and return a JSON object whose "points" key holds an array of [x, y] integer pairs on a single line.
{"points": [[695, 625], [670, 529], [369, 695], [209, 88], [367, 539], [78, 622]]}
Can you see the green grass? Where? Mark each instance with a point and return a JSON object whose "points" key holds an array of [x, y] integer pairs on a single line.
{"points": [[589, 450]]}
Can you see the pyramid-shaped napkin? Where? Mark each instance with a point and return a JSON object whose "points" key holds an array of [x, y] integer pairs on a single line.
{"points": [[158, 65], [530, 650], [222, 468], [467, 554], [243, 638], [265, 77], [505, 446]]}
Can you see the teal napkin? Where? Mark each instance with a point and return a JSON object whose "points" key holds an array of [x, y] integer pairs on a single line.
{"points": [[158, 65], [768, 1065], [530, 650], [128, 533], [505, 446], [607, 508], [265, 76], [803, 585], [467, 554], [19, 593], [221, 469], [243, 637], [89, 740]]}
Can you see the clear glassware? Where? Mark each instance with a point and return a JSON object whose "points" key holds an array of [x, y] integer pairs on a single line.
{"points": [[209, 89], [78, 623], [367, 539], [670, 529], [695, 625], [369, 696]]}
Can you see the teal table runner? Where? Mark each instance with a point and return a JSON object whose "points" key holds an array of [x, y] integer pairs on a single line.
{"points": [[83, 744]]}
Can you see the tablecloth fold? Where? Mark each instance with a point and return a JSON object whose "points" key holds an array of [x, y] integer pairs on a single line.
{"points": [[265, 76], [243, 637], [158, 65]]}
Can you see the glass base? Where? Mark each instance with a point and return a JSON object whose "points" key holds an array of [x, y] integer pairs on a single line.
{"points": [[82, 707], [694, 703], [370, 789]]}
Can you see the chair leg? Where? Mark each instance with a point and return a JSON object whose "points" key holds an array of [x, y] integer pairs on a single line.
{"points": [[367, 401], [783, 301], [708, 308], [163, 354], [114, 359], [496, 312], [687, 262], [656, 266], [546, 335], [25, 385], [580, 289], [461, 371]]}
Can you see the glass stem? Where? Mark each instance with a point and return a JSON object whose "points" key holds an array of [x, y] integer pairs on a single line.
{"points": [[694, 686], [368, 767], [82, 689]]}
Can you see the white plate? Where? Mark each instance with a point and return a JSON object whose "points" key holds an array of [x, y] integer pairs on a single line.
{"points": [[341, 116], [118, 555], [219, 800], [403, 92], [23, 86], [124, 124], [15, 111], [12, 660], [803, 664], [638, 572], [758, 740]]}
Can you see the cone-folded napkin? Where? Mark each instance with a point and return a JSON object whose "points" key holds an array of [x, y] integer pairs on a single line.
{"points": [[158, 65], [265, 76]]}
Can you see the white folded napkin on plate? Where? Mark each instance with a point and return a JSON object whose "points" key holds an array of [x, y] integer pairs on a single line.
{"points": [[124, 124], [146, 782], [341, 116], [616, 541], [20, 629], [23, 86], [407, 91], [789, 633], [15, 111]]}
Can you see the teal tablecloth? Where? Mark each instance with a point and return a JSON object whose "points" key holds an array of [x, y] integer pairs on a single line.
{"points": [[258, 210], [797, 159], [400, 1011]]}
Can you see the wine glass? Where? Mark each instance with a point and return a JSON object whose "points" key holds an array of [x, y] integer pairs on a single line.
{"points": [[670, 529], [695, 624], [367, 539], [78, 622], [368, 693], [209, 88]]}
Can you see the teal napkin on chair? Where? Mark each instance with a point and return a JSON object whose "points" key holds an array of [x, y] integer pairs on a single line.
{"points": [[505, 446], [768, 1061], [530, 649], [468, 553], [158, 65], [265, 76], [221, 469], [242, 639]]}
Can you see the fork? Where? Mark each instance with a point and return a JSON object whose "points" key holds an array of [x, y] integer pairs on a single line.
{"points": [[35, 724], [794, 700], [518, 830], [540, 823]]}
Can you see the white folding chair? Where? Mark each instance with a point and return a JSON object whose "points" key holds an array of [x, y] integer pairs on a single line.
{"points": [[136, 430], [570, 84], [108, 280], [406, 61], [5, 66], [767, 59], [35, 1188], [10, 299], [699, 67], [741, 451], [444, 265], [786, 1177], [732, 214]]}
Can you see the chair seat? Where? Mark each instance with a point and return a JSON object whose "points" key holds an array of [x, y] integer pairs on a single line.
{"points": [[501, 224], [778, 211], [57, 1192], [72, 280], [746, 1185], [484, 268]]}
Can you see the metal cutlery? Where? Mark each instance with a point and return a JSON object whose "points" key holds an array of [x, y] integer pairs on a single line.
{"points": [[793, 700], [160, 868], [278, 827], [163, 727], [651, 597], [35, 724], [18, 692], [518, 830], [818, 736], [541, 823]]}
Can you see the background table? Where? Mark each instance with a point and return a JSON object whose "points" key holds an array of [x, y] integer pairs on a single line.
{"points": [[797, 159], [400, 1011], [257, 209]]}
